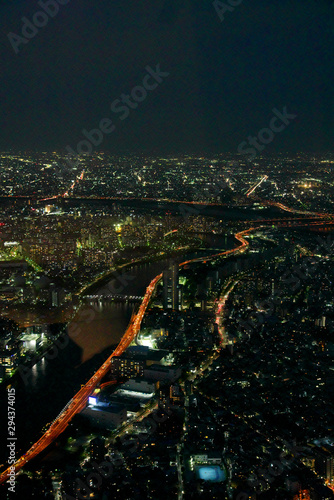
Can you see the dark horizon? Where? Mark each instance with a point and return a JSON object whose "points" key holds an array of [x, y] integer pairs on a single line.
{"points": [[225, 77]]}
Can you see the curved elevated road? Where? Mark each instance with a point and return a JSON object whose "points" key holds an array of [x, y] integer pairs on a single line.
{"points": [[79, 401]]}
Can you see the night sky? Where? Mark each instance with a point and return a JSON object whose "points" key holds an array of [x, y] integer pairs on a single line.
{"points": [[224, 77]]}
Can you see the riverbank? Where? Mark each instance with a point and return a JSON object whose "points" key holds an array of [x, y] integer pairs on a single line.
{"points": [[107, 275], [101, 326]]}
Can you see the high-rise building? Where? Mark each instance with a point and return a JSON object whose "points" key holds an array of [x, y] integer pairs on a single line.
{"points": [[171, 287], [57, 297], [324, 465]]}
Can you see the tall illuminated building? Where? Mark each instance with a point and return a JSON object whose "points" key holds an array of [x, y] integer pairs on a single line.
{"points": [[171, 287]]}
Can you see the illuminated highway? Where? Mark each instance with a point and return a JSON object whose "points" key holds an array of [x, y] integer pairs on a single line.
{"points": [[221, 307], [76, 181], [252, 189], [240, 249], [293, 210], [79, 401], [285, 220], [66, 194]]}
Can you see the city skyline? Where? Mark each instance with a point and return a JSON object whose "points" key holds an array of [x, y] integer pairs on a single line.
{"points": [[166, 250]]}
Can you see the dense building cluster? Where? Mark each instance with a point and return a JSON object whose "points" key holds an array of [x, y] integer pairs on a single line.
{"points": [[226, 390]]}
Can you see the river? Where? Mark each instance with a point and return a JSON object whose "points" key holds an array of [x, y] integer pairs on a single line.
{"points": [[96, 328]]}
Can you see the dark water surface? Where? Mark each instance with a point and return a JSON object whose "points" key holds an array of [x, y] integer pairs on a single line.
{"points": [[96, 328]]}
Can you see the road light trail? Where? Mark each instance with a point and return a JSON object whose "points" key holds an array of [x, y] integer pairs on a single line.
{"points": [[78, 402], [252, 189], [220, 309]]}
